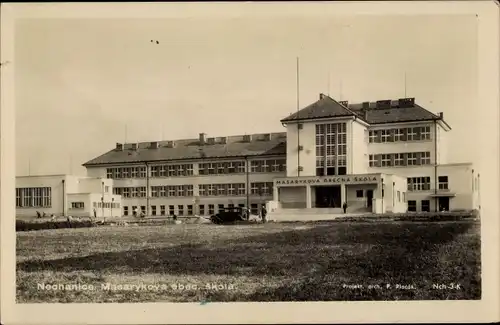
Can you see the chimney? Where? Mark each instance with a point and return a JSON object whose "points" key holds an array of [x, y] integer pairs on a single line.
{"points": [[366, 105], [267, 137], [441, 115], [382, 104], [134, 146], [321, 96], [247, 138], [211, 140], [203, 138], [345, 103], [406, 102], [223, 140], [154, 145], [170, 144], [119, 147]]}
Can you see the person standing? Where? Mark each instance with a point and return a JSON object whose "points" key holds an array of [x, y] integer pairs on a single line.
{"points": [[263, 213], [344, 206], [95, 214]]}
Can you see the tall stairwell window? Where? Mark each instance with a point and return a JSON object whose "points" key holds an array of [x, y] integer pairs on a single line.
{"points": [[331, 149]]}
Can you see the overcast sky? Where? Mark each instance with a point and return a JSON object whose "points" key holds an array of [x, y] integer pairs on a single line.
{"points": [[80, 82]]}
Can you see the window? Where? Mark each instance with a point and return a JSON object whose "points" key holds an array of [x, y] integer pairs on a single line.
{"points": [[412, 206], [211, 209], [241, 167], [189, 190], [399, 196], [230, 189], [180, 170], [425, 133], [267, 188], [125, 172], [190, 209], [180, 190], [372, 136], [125, 211], [399, 159], [359, 193], [162, 171], [171, 210], [412, 159], [153, 210], [154, 191], [202, 209], [211, 169], [241, 189], [386, 134], [77, 205], [230, 205], [398, 135], [143, 209], [180, 209], [404, 196], [255, 166], [34, 197], [155, 171], [142, 191], [134, 210], [265, 167], [425, 158], [221, 189], [419, 183], [425, 205], [106, 189], [162, 191], [231, 169], [171, 191], [373, 160], [109, 172], [211, 190], [275, 166], [220, 168], [443, 182], [411, 134], [162, 210], [126, 192], [254, 189], [386, 160], [220, 207]]}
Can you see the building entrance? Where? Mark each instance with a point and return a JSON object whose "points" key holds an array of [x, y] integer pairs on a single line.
{"points": [[444, 203], [328, 197]]}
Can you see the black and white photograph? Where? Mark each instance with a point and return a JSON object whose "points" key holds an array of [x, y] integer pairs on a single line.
{"points": [[248, 158]]}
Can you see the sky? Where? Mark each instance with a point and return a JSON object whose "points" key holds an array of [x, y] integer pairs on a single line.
{"points": [[81, 85]]}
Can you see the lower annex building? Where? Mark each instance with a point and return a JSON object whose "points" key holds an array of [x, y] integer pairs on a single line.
{"points": [[383, 156]]}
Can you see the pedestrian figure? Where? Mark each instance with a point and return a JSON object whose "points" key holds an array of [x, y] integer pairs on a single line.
{"points": [[38, 214], [344, 206], [95, 214], [263, 213]]}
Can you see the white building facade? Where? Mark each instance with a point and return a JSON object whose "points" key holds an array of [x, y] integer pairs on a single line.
{"points": [[374, 157], [64, 195]]}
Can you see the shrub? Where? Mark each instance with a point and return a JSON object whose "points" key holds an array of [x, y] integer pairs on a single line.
{"points": [[29, 226]]}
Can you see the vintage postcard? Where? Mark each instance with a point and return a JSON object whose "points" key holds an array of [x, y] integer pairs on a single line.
{"points": [[249, 162]]}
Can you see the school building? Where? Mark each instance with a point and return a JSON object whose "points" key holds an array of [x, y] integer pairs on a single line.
{"points": [[376, 157]]}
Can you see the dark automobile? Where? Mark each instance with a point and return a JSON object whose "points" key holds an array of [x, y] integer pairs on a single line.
{"points": [[230, 215]]}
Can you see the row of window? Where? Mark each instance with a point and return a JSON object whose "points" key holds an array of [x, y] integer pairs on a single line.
{"points": [[237, 189], [172, 170], [424, 183], [331, 148], [400, 159], [217, 168], [425, 206], [34, 197], [126, 172], [185, 210], [106, 205], [417, 133]]}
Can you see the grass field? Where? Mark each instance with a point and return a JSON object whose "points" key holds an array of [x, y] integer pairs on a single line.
{"points": [[261, 262]]}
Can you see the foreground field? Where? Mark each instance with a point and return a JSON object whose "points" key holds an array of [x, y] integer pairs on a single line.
{"points": [[271, 262]]}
